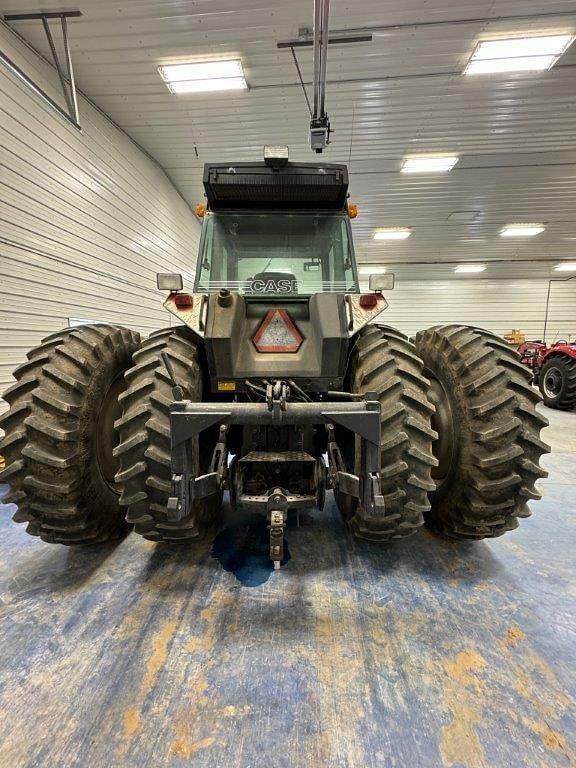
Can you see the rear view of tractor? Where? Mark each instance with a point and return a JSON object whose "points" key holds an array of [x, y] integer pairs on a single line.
{"points": [[554, 371], [279, 383]]}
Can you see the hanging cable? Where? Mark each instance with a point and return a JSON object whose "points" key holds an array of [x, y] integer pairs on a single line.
{"points": [[301, 80]]}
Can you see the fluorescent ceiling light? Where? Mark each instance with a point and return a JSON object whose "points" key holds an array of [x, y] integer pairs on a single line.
{"points": [[517, 54], [520, 64], [371, 270], [429, 163], [392, 233], [204, 76], [533, 45], [522, 230], [470, 268], [204, 86], [568, 266]]}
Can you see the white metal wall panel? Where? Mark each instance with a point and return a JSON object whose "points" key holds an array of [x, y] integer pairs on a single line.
{"points": [[498, 305], [86, 218]]}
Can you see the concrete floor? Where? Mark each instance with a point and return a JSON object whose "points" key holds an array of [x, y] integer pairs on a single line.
{"points": [[420, 654]]}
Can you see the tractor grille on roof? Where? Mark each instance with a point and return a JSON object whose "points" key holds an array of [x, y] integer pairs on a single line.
{"points": [[295, 186]]}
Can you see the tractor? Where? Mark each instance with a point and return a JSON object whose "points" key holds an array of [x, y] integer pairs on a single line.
{"points": [[554, 371], [277, 382]]}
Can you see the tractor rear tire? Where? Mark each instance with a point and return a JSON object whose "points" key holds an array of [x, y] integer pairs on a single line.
{"points": [[489, 444], [557, 382], [59, 435], [384, 361], [144, 449]]}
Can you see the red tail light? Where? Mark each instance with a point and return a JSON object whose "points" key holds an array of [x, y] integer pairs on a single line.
{"points": [[368, 300], [183, 300], [277, 333]]}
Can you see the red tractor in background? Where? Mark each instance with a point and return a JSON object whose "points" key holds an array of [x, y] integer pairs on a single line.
{"points": [[554, 370]]}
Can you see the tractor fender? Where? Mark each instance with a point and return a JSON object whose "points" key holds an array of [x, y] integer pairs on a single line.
{"points": [[564, 350], [190, 309], [362, 308]]}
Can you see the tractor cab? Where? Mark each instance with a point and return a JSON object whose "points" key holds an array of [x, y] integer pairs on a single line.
{"points": [[276, 292]]}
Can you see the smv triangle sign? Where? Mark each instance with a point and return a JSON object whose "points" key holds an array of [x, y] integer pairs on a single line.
{"points": [[277, 333]]}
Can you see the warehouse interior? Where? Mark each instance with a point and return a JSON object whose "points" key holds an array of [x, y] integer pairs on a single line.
{"points": [[423, 652]]}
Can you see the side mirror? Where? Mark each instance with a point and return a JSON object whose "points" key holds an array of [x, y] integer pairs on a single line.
{"points": [[380, 282], [169, 281]]}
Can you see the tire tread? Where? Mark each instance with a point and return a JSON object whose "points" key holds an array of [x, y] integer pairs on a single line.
{"points": [[385, 361], [498, 431], [144, 428], [48, 473]]}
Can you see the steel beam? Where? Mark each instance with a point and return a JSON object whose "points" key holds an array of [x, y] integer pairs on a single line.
{"points": [[71, 80], [67, 83], [15, 69], [335, 40], [43, 15]]}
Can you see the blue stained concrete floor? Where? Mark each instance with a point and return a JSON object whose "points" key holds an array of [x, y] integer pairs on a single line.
{"points": [[423, 653]]}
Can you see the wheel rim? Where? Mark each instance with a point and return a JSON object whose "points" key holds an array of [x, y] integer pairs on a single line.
{"points": [[444, 448], [552, 383], [106, 435]]}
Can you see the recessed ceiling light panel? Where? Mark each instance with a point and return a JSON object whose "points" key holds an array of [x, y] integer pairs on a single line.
{"points": [[520, 64], [517, 54], [470, 268], [392, 233], [522, 230], [371, 270], [204, 76], [429, 163], [567, 266]]}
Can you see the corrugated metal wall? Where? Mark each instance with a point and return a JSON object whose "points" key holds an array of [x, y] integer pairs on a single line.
{"points": [[86, 218], [498, 305]]}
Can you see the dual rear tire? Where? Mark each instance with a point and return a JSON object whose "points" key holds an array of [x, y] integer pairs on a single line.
{"points": [[460, 432], [87, 436]]}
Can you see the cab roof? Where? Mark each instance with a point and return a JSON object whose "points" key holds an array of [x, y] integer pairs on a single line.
{"points": [[257, 186]]}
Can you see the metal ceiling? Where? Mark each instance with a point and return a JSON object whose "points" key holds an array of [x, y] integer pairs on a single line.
{"points": [[400, 94]]}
